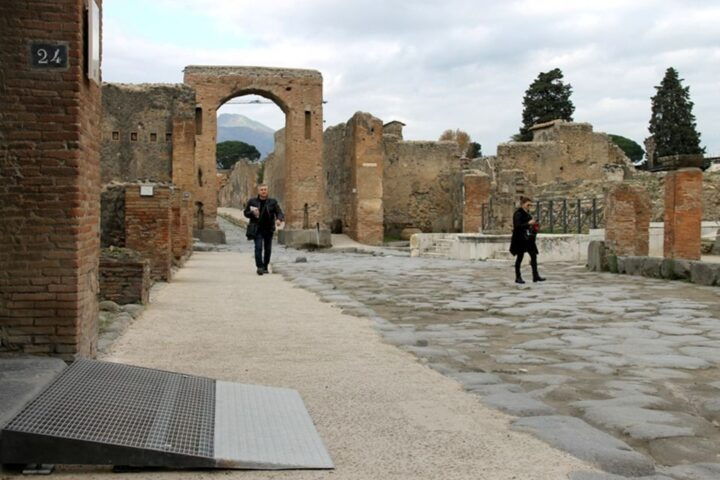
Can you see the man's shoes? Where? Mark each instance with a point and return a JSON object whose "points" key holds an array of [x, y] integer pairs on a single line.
{"points": [[519, 280], [538, 279], [265, 270], [260, 271]]}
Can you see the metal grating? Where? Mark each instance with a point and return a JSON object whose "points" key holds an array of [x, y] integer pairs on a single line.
{"points": [[126, 406]]}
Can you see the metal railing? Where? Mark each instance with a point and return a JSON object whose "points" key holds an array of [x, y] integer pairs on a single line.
{"points": [[561, 215]]}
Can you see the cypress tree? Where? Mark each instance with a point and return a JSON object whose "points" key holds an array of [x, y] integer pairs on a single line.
{"points": [[672, 123], [547, 98]]}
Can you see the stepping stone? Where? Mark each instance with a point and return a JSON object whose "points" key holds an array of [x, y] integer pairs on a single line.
{"points": [[587, 443], [519, 404]]}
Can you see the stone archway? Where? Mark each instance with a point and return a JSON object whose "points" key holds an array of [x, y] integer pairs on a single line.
{"points": [[298, 93]]}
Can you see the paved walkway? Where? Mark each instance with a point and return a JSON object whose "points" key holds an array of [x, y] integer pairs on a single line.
{"points": [[381, 413]]}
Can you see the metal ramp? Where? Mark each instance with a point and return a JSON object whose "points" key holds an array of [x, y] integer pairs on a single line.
{"points": [[103, 413]]}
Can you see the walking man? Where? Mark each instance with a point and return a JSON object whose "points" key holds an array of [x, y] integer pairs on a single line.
{"points": [[264, 214]]}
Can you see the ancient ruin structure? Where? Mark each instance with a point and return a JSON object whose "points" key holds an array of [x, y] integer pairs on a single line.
{"points": [[683, 213], [49, 177], [298, 93], [627, 220]]}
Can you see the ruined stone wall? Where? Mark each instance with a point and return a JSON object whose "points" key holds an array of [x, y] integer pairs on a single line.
{"points": [[564, 151], [275, 168], [124, 276], [137, 129], [241, 184], [49, 185], [422, 186]]}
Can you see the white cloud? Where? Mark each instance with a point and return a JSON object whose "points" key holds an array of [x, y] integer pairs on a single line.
{"points": [[455, 64]]}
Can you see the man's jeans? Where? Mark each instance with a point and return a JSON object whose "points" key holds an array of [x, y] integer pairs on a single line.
{"points": [[263, 239]]}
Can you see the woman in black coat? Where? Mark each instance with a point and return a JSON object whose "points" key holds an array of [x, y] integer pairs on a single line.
{"points": [[523, 240]]}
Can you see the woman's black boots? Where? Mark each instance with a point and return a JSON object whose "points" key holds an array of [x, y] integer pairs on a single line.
{"points": [[536, 275], [518, 277]]}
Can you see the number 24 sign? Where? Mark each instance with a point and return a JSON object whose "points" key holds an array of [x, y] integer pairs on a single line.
{"points": [[46, 55]]}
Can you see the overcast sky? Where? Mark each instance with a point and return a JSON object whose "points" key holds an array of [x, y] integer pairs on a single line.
{"points": [[437, 64]]}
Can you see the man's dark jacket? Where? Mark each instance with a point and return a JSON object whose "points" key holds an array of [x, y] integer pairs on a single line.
{"points": [[523, 235], [269, 212]]}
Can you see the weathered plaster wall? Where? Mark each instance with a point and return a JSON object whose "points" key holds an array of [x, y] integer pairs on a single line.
{"points": [[240, 184], [422, 186], [137, 129]]}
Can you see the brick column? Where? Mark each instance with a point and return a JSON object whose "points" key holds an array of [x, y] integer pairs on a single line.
{"points": [[148, 227], [476, 193], [49, 181], [627, 220], [366, 178], [683, 213]]}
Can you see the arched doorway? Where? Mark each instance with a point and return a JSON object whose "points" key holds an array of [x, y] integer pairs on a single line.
{"points": [[297, 179]]}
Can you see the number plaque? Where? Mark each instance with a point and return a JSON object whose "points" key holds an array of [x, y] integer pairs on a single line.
{"points": [[49, 55]]}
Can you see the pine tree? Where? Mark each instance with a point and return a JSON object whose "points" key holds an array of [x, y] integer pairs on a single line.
{"points": [[547, 98], [672, 123]]}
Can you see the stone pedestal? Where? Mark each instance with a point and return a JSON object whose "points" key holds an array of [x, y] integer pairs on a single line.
{"points": [[305, 238], [683, 213], [627, 220]]}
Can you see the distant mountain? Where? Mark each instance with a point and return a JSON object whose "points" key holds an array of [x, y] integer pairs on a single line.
{"points": [[233, 126]]}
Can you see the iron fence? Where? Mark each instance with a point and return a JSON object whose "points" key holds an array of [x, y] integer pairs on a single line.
{"points": [[561, 215]]}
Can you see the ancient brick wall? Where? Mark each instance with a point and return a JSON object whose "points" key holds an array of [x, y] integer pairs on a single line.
{"points": [[422, 186], [564, 151], [627, 220], [298, 93], [148, 227], [138, 130], [112, 216], [241, 184], [184, 165], [182, 226], [275, 169], [49, 185], [124, 276], [477, 189], [683, 213]]}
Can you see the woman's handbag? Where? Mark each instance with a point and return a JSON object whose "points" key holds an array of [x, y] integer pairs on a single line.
{"points": [[251, 231]]}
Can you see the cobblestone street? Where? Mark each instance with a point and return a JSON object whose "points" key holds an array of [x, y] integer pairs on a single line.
{"points": [[635, 357]]}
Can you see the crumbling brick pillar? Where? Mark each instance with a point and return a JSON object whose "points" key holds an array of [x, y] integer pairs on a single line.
{"points": [[124, 276], [683, 213], [181, 226], [627, 220], [148, 226], [476, 190], [367, 157], [49, 180]]}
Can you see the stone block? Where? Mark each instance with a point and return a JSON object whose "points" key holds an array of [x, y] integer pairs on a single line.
{"points": [[406, 233], [306, 238], [207, 235], [612, 261], [597, 258], [633, 265], [651, 267], [704, 273], [621, 264]]}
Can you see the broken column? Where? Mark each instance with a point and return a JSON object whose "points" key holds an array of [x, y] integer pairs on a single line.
{"points": [[683, 212], [627, 220], [476, 193]]}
